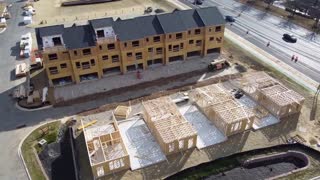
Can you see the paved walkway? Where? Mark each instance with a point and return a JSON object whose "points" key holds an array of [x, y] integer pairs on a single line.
{"points": [[117, 81]]}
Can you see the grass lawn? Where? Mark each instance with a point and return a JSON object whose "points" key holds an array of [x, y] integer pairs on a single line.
{"points": [[29, 143], [299, 20]]}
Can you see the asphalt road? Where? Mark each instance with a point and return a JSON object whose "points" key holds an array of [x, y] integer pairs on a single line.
{"points": [[11, 167], [264, 28]]}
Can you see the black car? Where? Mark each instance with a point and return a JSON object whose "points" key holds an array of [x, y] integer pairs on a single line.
{"points": [[198, 2], [230, 19], [289, 38]]}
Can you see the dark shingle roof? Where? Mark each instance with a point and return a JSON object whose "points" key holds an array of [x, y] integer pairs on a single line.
{"points": [[211, 16], [50, 30], [171, 23], [100, 23], [190, 18], [78, 37], [137, 28]]}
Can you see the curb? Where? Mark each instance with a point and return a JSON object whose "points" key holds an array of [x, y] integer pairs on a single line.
{"points": [[267, 58], [30, 110], [261, 55], [21, 157], [21, 142], [3, 30]]}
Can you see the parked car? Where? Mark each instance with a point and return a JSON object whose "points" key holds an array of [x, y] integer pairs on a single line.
{"points": [[230, 19], [289, 38], [198, 2]]}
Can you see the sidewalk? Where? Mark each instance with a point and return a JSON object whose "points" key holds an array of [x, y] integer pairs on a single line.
{"points": [[262, 55], [74, 91], [272, 19], [276, 63]]}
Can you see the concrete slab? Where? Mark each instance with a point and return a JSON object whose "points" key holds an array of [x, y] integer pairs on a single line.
{"points": [[74, 91], [142, 147], [264, 122], [208, 134]]}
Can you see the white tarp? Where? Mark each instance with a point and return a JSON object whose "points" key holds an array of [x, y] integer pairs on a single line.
{"points": [[142, 147], [208, 134]]}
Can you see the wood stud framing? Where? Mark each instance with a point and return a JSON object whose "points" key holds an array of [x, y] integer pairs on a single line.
{"points": [[106, 151], [227, 114], [271, 94], [172, 131]]}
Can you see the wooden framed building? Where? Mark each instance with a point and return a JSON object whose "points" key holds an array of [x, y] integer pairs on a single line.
{"points": [[227, 114], [271, 94], [173, 133], [109, 47], [106, 151]]}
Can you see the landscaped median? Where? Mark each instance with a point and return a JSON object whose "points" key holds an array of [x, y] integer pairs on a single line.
{"points": [[29, 148]]}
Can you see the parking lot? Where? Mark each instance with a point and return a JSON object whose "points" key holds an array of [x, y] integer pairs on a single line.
{"points": [[122, 8]]}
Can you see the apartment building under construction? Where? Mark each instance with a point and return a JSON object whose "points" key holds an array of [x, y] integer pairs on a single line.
{"points": [[105, 46]]}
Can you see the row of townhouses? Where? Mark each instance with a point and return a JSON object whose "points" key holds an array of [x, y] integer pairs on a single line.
{"points": [[105, 46]]}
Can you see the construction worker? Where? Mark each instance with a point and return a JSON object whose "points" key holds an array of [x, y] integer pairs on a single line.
{"points": [[268, 44], [293, 57], [296, 59]]}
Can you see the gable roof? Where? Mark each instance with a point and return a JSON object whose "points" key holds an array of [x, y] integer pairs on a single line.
{"points": [[211, 16], [137, 28], [50, 30], [171, 22], [100, 23], [78, 37], [190, 18]]}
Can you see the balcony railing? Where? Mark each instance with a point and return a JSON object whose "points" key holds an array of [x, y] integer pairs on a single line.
{"points": [[139, 57], [54, 71], [86, 66], [106, 40], [175, 49]]}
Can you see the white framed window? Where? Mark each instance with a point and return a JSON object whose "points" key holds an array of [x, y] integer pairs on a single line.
{"points": [[190, 143], [171, 147], [181, 144], [100, 171]]}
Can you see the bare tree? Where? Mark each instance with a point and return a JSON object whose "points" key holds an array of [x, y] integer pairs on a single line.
{"points": [[269, 3], [292, 6], [314, 12]]}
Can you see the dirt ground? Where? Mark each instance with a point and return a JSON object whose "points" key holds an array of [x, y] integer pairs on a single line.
{"points": [[309, 123], [57, 14]]}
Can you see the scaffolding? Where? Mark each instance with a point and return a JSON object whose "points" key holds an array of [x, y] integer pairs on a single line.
{"points": [[271, 94], [173, 133], [106, 151], [227, 114]]}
